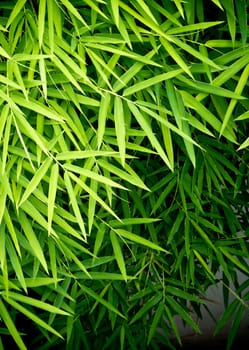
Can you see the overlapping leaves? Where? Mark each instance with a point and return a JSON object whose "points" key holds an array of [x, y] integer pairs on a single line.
{"points": [[122, 131]]}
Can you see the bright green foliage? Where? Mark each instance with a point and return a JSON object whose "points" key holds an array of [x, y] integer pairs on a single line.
{"points": [[123, 169]]}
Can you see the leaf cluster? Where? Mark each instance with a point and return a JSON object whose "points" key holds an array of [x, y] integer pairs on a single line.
{"points": [[123, 169]]}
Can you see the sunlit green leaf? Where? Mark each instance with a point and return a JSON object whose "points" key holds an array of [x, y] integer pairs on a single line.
{"points": [[118, 254]]}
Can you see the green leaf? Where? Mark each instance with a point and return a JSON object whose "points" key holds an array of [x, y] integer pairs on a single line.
{"points": [[12, 230], [15, 262], [41, 20], [184, 315], [36, 179], [156, 319], [30, 131], [239, 88], [36, 303], [5, 316], [118, 254], [205, 113], [138, 239], [235, 261], [149, 133], [236, 324], [178, 108], [70, 255], [32, 316], [131, 72], [53, 181], [129, 54], [176, 57], [92, 204], [74, 11], [74, 155], [190, 50], [193, 27], [203, 235], [119, 120], [204, 264], [15, 11], [173, 324], [103, 111], [212, 89], [115, 11], [93, 194], [145, 308], [74, 203], [242, 15], [32, 239], [132, 221], [229, 312], [93, 175], [36, 215], [245, 144], [133, 179], [37, 107], [182, 294], [151, 81], [102, 301]]}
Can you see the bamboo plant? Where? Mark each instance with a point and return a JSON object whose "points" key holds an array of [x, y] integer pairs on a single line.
{"points": [[123, 169]]}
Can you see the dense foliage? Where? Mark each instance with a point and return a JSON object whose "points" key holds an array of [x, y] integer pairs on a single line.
{"points": [[123, 169]]}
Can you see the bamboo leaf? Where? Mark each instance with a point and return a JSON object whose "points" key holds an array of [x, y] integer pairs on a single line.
{"points": [[133, 179], [5, 316], [212, 89], [41, 20], [43, 75], [234, 260], [193, 27], [36, 179], [31, 132], [103, 111], [73, 201], [12, 231], [52, 193], [151, 81], [245, 144], [32, 316], [93, 175], [15, 11], [239, 88], [15, 262], [32, 239], [102, 301], [36, 215], [92, 204], [138, 239], [242, 15], [149, 133], [120, 128], [115, 11], [118, 254], [174, 54], [74, 11], [205, 266], [94, 195], [145, 308], [184, 315], [129, 54], [132, 221], [36, 303], [74, 155], [203, 235], [192, 51], [156, 319]]}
